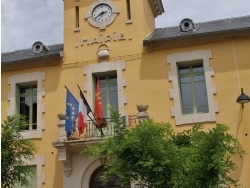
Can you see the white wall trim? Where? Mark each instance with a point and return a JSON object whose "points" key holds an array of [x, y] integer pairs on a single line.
{"points": [[118, 66], [176, 111], [88, 173], [39, 161], [39, 77]]}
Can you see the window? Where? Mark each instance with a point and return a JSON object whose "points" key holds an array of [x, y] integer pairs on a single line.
{"points": [[193, 90], [25, 97], [95, 180], [31, 179], [77, 16], [109, 94], [114, 85], [27, 104], [38, 178], [128, 10]]}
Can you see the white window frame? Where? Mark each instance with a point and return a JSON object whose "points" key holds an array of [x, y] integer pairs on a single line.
{"points": [[176, 111], [39, 162], [29, 95], [117, 66], [38, 77]]}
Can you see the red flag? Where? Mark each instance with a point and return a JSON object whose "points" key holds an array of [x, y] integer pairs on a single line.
{"points": [[129, 121], [82, 115], [98, 104]]}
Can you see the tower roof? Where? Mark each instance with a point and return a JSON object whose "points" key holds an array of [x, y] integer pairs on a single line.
{"points": [[157, 7]]}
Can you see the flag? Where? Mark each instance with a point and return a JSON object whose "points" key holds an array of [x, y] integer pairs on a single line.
{"points": [[84, 110], [129, 121], [72, 108], [98, 112]]}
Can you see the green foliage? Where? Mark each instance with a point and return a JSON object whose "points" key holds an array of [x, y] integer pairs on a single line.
{"points": [[13, 150], [152, 155]]}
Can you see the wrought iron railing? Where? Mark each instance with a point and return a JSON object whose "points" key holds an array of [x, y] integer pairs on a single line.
{"points": [[93, 132], [109, 129]]}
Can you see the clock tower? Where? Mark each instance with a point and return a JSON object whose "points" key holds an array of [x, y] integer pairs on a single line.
{"points": [[119, 25]]}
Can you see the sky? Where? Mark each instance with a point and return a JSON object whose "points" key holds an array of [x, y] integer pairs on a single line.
{"points": [[24, 22]]}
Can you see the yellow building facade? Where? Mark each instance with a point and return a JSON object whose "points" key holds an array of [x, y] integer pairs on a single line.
{"points": [[188, 74]]}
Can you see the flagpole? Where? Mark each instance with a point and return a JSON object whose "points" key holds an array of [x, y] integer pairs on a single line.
{"points": [[86, 101], [100, 129]]}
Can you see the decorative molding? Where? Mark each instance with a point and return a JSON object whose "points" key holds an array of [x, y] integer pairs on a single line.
{"points": [[64, 155], [39, 77], [106, 67], [176, 111], [39, 161], [61, 131], [89, 171]]}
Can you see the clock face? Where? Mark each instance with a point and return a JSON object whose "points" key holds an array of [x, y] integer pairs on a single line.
{"points": [[101, 13]]}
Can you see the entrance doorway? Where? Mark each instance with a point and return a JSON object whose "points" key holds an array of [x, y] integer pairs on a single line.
{"points": [[95, 180]]}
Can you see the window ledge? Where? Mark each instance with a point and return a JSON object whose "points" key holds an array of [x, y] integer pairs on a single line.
{"points": [[193, 118], [129, 22], [77, 30], [32, 134]]}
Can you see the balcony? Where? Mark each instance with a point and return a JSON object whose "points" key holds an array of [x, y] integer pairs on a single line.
{"points": [[92, 134], [109, 129]]}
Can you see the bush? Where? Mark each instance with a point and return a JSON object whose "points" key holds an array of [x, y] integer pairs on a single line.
{"points": [[152, 155], [13, 150]]}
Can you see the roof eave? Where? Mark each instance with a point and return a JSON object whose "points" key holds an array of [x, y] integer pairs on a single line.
{"points": [[48, 60], [196, 38]]}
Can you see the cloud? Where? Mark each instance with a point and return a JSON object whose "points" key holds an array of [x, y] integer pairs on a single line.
{"points": [[200, 11], [27, 21]]}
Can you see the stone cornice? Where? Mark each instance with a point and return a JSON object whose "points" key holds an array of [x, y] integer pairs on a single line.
{"points": [[195, 39], [157, 7]]}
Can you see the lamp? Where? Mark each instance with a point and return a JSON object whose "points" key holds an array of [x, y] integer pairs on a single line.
{"points": [[243, 98], [103, 158]]}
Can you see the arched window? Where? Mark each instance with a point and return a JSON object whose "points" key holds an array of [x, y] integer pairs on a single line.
{"points": [[95, 180]]}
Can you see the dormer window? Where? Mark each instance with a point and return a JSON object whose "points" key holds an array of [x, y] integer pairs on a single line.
{"points": [[187, 25], [39, 47]]}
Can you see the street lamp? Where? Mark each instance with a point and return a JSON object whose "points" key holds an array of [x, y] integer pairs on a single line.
{"points": [[243, 98], [103, 158]]}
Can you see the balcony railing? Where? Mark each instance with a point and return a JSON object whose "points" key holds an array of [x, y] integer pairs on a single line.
{"points": [[108, 130], [93, 132]]}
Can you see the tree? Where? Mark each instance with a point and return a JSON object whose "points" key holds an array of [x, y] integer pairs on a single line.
{"points": [[152, 155], [14, 150]]}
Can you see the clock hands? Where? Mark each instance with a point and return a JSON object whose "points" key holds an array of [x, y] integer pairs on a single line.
{"points": [[103, 12]]}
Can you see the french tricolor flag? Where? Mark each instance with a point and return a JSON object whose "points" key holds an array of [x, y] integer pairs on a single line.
{"points": [[84, 110]]}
